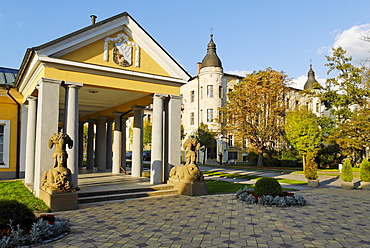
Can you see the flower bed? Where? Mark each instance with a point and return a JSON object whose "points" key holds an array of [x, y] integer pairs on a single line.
{"points": [[286, 199], [47, 227]]}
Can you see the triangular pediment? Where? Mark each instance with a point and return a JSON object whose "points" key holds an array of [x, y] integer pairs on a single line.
{"points": [[118, 42]]}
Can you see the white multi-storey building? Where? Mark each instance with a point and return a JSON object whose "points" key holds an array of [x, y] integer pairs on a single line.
{"points": [[206, 93]]}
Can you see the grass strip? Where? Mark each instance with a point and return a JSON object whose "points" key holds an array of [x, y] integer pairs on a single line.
{"points": [[16, 190]]}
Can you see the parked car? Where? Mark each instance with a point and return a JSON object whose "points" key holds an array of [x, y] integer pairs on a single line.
{"points": [[146, 156]]}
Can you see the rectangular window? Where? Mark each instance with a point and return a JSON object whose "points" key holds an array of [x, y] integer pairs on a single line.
{"points": [[220, 92], [201, 92], [245, 142], [232, 155], [317, 107], [192, 118], [4, 143], [209, 115], [209, 91], [192, 96], [231, 141]]}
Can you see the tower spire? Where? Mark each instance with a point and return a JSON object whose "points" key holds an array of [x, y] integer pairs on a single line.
{"points": [[211, 59]]}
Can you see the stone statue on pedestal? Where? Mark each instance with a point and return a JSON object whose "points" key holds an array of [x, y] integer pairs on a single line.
{"points": [[59, 178], [189, 171]]}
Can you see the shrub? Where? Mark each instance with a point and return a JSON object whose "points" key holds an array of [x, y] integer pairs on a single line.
{"points": [[252, 157], [365, 170], [347, 174], [267, 186], [16, 213], [310, 171]]}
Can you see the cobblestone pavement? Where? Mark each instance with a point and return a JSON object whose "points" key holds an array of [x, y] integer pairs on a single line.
{"points": [[332, 218]]}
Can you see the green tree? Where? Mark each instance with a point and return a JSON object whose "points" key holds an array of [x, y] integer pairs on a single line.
{"points": [[353, 136], [303, 132], [346, 89], [347, 174], [255, 110], [365, 170], [147, 139], [205, 137]]}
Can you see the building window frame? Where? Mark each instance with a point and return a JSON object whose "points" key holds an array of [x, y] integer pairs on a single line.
{"points": [[210, 91], [192, 96], [209, 115], [5, 143], [192, 121]]}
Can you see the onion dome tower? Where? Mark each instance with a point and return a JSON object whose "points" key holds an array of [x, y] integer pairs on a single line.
{"points": [[311, 80], [211, 59]]}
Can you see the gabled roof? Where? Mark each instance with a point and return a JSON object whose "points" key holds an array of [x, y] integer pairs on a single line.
{"points": [[85, 36]]}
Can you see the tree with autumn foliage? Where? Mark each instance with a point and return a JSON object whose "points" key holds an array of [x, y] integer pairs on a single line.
{"points": [[255, 110]]}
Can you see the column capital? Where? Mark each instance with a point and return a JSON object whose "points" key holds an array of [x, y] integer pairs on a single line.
{"points": [[176, 97], [72, 84], [48, 80], [31, 98], [137, 107], [91, 121], [158, 95]]}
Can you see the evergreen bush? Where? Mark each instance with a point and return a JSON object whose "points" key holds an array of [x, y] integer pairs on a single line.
{"points": [[15, 213], [310, 171], [347, 174], [267, 186], [365, 170]]}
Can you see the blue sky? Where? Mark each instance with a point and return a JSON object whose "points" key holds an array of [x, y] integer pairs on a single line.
{"points": [[250, 35]]}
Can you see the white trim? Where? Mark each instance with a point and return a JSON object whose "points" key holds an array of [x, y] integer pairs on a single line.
{"points": [[122, 72], [6, 147]]}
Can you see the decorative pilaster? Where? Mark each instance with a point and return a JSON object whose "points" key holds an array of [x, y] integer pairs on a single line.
{"points": [[124, 133], [30, 141], [156, 168], [46, 126], [137, 146]]}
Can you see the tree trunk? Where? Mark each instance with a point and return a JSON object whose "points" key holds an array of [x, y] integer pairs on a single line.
{"points": [[260, 159], [304, 161]]}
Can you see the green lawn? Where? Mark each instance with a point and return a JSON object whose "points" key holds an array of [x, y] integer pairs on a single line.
{"points": [[249, 177], [16, 190]]}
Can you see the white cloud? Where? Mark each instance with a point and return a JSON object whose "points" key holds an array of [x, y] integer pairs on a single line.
{"points": [[300, 81], [239, 72], [351, 41], [19, 24]]}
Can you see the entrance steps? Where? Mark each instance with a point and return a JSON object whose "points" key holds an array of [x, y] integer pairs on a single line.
{"points": [[122, 194]]}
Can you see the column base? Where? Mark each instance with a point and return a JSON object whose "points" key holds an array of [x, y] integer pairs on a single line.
{"points": [[60, 201], [191, 188]]}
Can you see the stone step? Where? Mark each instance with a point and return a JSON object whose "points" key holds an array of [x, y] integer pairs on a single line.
{"points": [[115, 195]]}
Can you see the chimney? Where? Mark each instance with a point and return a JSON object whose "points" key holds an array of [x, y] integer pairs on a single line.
{"points": [[93, 19], [199, 66]]}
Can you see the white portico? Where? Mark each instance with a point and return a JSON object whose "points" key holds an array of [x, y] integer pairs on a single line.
{"points": [[101, 75]]}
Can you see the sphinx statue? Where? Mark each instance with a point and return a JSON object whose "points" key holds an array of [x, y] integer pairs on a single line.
{"points": [[189, 171], [59, 177]]}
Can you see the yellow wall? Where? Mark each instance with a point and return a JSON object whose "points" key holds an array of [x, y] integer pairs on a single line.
{"points": [[93, 54], [8, 111]]}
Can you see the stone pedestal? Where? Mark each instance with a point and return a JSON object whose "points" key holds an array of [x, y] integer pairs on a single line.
{"points": [[365, 185], [60, 201], [192, 188], [313, 183], [347, 185]]}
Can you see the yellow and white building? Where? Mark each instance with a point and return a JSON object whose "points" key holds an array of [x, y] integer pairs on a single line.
{"points": [[101, 75]]}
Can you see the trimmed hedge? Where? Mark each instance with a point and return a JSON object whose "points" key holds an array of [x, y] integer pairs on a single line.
{"points": [[16, 213], [268, 186]]}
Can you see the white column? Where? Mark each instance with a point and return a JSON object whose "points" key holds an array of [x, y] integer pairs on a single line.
{"points": [[137, 146], [156, 168], [117, 143], [109, 145], [30, 140], [174, 134], [72, 129], [90, 145], [101, 151], [123, 130], [46, 126]]}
